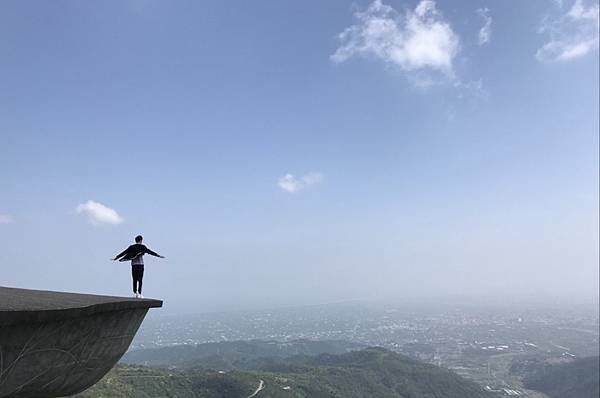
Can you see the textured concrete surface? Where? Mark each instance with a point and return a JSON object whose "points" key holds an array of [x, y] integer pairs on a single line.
{"points": [[58, 344]]}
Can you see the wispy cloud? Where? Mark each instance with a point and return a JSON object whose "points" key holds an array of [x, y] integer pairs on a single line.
{"points": [[485, 33], [572, 35], [293, 184], [417, 41], [97, 213], [5, 219]]}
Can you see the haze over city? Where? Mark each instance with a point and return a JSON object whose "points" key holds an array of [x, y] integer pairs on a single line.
{"points": [[300, 153]]}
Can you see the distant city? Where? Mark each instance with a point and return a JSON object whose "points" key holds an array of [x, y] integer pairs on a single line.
{"points": [[481, 344]]}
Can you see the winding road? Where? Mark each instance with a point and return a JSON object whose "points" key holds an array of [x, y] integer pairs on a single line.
{"points": [[260, 387]]}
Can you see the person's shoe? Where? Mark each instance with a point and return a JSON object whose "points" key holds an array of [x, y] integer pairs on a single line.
{"points": [[140, 295], [136, 295]]}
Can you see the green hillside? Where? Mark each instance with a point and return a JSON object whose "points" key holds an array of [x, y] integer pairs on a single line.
{"points": [[577, 379], [373, 372]]}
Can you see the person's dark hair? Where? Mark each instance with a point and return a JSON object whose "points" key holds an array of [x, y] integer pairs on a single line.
{"points": [[138, 239]]}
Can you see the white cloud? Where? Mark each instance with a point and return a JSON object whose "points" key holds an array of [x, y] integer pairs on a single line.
{"points": [[418, 40], [292, 184], [97, 213], [5, 219], [572, 35], [485, 33]]}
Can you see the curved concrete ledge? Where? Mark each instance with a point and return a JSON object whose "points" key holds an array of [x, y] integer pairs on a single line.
{"points": [[58, 344]]}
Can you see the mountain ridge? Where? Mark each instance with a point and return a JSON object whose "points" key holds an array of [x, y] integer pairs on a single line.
{"points": [[370, 372]]}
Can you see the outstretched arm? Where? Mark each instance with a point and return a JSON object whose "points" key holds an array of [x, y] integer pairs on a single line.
{"points": [[118, 256], [150, 252]]}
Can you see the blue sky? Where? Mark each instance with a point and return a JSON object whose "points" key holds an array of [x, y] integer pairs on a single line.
{"points": [[298, 152]]}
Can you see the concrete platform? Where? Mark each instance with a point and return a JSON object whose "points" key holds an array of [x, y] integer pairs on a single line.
{"points": [[55, 344]]}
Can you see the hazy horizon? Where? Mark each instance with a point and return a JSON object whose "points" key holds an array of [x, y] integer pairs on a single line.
{"points": [[302, 153]]}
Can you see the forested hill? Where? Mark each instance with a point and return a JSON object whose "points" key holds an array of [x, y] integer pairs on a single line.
{"points": [[372, 372], [577, 379]]}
